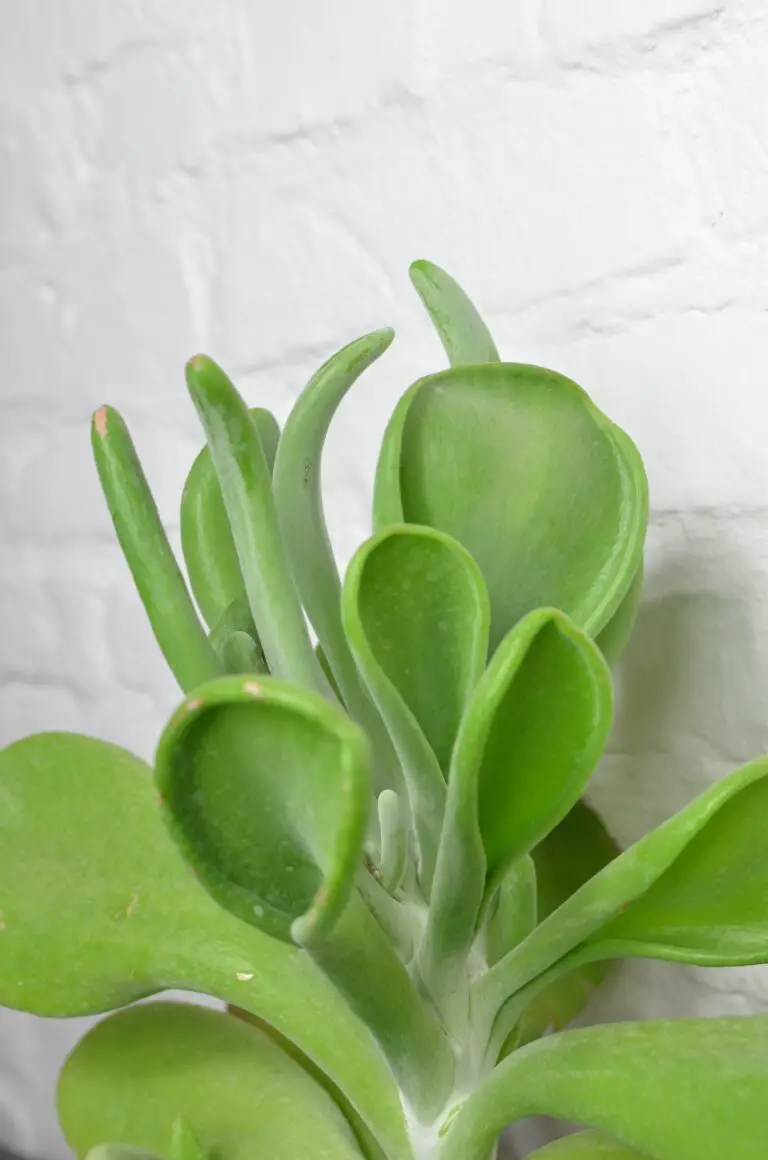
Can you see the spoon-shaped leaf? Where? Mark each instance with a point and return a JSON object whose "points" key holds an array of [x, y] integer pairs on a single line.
{"points": [[145, 545], [206, 539], [682, 1090], [139, 1070], [266, 790], [87, 871], [706, 879], [530, 738], [241, 468], [586, 1146], [416, 616], [462, 331], [548, 497]]}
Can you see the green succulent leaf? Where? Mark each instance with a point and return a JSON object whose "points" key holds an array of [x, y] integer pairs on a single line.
{"points": [[520, 467], [463, 333], [415, 613], [513, 912], [241, 467], [298, 496], [266, 790], [145, 546], [586, 1146], [694, 890], [206, 539], [393, 854], [88, 873], [184, 1143], [682, 1090], [613, 639], [531, 736], [135, 1073]]}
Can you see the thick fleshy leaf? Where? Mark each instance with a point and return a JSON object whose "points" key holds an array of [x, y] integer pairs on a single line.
{"points": [[206, 539], [241, 468], [531, 736], [706, 880], [298, 496], [517, 464], [145, 546], [513, 911], [135, 1073], [266, 789], [415, 612], [463, 333], [615, 636], [586, 1146], [87, 871], [681, 1090]]}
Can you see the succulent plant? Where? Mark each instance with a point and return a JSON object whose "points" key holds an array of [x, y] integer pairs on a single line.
{"points": [[374, 848]]}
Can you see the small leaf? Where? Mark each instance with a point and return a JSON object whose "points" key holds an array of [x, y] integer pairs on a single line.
{"points": [[243, 475], [681, 1090], [416, 616], [462, 331], [513, 911], [587, 1146], [266, 789], [518, 465], [239, 653], [394, 841], [206, 538], [145, 546], [88, 873], [240, 1096]]}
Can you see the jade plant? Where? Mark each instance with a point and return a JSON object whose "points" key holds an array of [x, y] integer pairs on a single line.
{"points": [[368, 837]]}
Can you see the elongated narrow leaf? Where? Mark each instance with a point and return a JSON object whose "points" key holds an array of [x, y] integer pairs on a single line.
{"points": [[462, 331], [298, 496], [135, 1073], [145, 545], [241, 467], [266, 789], [517, 464], [416, 615], [706, 881], [530, 738], [682, 1090], [206, 539], [88, 872], [513, 911], [587, 1146]]}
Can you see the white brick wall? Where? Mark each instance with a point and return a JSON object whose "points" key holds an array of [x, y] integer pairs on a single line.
{"points": [[252, 179]]}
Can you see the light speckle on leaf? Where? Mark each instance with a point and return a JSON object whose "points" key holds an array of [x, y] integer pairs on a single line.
{"points": [[244, 976], [252, 689]]}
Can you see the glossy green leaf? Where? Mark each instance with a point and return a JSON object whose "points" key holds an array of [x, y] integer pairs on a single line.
{"points": [[98, 910], [463, 333], [531, 736], [517, 464], [416, 615], [298, 497], [706, 881], [615, 636], [135, 1073], [206, 538], [266, 789], [586, 1146], [513, 912], [682, 1090], [145, 546], [243, 475]]}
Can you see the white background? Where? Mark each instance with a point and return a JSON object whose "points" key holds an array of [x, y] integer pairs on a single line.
{"points": [[252, 178]]}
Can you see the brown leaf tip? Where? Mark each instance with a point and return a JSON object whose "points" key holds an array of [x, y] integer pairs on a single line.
{"points": [[100, 421]]}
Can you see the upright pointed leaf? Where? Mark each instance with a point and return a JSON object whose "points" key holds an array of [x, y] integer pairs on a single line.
{"points": [[242, 471], [416, 616], [145, 545], [530, 738], [266, 789], [206, 538], [87, 871], [135, 1073], [462, 331], [682, 1090], [586, 1146], [517, 464]]}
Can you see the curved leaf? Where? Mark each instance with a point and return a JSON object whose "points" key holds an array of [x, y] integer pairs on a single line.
{"points": [[145, 546], [530, 738], [266, 790], [206, 538], [416, 616], [135, 1073], [518, 465], [462, 331], [587, 1146], [682, 1090], [87, 871], [241, 468]]}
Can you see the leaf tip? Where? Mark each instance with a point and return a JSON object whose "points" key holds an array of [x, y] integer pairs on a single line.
{"points": [[100, 418]]}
